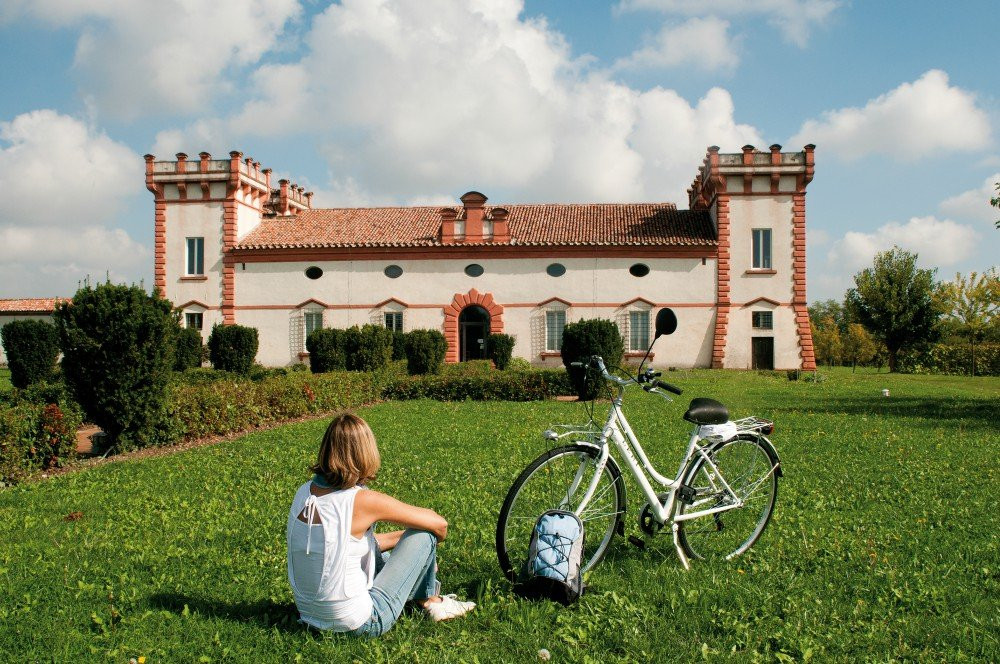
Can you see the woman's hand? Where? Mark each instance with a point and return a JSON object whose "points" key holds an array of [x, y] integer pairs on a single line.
{"points": [[371, 506]]}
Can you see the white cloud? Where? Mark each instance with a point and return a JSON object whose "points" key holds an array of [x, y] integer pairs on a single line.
{"points": [[795, 18], [63, 184], [446, 97], [702, 43], [975, 203], [937, 242], [155, 56], [914, 120]]}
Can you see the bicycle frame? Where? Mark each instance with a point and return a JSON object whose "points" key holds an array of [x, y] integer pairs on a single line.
{"points": [[617, 429]]}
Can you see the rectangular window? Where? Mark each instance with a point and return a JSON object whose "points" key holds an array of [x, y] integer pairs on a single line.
{"points": [[638, 329], [314, 321], [195, 256], [762, 248], [555, 321], [763, 320], [193, 320], [394, 321]]}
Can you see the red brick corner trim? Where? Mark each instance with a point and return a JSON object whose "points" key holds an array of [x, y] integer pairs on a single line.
{"points": [[806, 350], [453, 310], [722, 283]]}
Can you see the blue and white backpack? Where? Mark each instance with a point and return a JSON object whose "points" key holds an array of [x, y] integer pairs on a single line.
{"points": [[552, 570]]}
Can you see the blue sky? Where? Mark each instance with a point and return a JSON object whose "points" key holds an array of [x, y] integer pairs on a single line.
{"points": [[372, 103]]}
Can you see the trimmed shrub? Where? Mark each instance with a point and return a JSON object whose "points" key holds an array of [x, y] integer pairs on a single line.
{"points": [[232, 348], [425, 350], [367, 348], [398, 345], [583, 339], [118, 352], [190, 351], [32, 347], [501, 348], [511, 385], [326, 350]]}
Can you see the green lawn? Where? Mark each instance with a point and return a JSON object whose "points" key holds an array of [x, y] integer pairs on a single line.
{"points": [[884, 544]]}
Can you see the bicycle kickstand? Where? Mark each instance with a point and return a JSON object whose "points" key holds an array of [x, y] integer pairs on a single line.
{"points": [[677, 545]]}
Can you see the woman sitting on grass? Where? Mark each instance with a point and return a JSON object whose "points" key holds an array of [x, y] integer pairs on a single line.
{"points": [[340, 578]]}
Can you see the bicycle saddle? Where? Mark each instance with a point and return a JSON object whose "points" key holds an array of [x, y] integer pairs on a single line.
{"points": [[706, 411]]}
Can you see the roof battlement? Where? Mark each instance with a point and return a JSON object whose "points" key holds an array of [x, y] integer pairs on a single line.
{"points": [[751, 171]]}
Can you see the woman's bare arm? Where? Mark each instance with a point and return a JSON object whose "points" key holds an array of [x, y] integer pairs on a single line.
{"points": [[386, 541], [371, 506]]}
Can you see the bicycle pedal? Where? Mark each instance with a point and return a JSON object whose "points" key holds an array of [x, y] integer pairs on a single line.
{"points": [[686, 494], [637, 543]]}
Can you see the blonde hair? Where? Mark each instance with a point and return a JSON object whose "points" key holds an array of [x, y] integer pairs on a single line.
{"points": [[348, 454]]}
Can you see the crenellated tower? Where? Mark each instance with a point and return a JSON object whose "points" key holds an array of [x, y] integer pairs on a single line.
{"points": [[757, 202], [203, 208]]}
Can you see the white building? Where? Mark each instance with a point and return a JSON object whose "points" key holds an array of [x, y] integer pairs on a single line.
{"points": [[230, 249]]}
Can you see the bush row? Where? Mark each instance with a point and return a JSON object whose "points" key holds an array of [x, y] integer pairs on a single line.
{"points": [[952, 359], [495, 386], [367, 348]]}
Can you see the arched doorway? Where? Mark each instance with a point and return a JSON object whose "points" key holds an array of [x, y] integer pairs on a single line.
{"points": [[473, 329]]}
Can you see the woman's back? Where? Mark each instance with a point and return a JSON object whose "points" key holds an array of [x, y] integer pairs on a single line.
{"points": [[330, 571]]}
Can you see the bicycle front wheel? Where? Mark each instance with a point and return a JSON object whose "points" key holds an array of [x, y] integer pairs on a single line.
{"points": [[749, 467], [558, 479]]}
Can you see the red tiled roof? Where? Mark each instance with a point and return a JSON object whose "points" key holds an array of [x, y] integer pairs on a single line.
{"points": [[597, 224], [38, 305]]}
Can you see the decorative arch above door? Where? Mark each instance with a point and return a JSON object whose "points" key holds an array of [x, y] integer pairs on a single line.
{"points": [[454, 310]]}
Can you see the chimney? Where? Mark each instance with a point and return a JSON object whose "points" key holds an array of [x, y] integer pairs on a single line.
{"points": [[283, 197], [501, 232], [448, 216], [474, 203]]}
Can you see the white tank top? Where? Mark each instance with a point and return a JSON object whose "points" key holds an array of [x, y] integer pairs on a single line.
{"points": [[330, 570]]}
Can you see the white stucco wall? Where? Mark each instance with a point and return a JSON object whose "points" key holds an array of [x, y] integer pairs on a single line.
{"points": [[194, 220], [747, 285], [269, 296]]}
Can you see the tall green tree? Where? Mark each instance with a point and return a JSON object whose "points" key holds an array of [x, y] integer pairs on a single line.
{"points": [[972, 304], [820, 311], [896, 301], [827, 342]]}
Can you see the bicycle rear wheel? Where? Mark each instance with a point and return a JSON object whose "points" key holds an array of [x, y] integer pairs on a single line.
{"points": [[749, 467], [558, 479]]}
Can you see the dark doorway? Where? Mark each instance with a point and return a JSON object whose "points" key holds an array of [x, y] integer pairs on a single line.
{"points": [[763, 352], [473, 328]]}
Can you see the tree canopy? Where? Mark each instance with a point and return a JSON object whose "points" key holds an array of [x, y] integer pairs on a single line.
{"points": [[972, 305], [896, 301]]}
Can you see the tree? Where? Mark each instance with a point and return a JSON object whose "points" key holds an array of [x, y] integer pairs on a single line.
{"points": [[827, 343], [973, 304], [896, 301], [32, 347], [859, 346], [819, 311], [118, 353]]}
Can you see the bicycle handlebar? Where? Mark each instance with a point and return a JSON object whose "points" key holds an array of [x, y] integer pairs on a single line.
{"points": [[597, 362]]}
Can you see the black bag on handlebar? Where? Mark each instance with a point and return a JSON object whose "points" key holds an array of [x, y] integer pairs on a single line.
{"points": [[552, 570]]}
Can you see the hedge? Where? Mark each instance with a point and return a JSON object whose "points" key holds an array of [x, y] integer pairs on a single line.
{"points": [[425, 351], [326, 350], [232, 348], [496, 386], [952, 359], [501, 348], [32, 347], [35, 437], [583, 339], [190, 352]]}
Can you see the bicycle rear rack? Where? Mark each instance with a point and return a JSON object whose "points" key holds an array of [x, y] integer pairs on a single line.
{"points": [[755, 424]]}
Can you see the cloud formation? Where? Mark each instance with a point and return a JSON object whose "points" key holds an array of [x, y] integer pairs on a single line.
{"points": [[140, 57], [975, 203], [794, 18], [435, 99], [914, 120], [702, 43], [937, 242], [64, 183]]}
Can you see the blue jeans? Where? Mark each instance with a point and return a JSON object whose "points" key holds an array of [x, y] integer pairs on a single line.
{"points": [[409, 573]]}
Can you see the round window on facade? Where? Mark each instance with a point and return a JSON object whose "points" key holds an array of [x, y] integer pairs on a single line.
{"points": [[639, 270], [474, 269], [556, 270], [314, 272], [393, 271]]}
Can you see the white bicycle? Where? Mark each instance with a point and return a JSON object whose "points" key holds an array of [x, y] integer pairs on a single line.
{"points": [[716, 506]]}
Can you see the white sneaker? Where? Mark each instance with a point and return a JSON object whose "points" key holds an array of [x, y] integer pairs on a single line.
{"points": [[449, 607]]}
